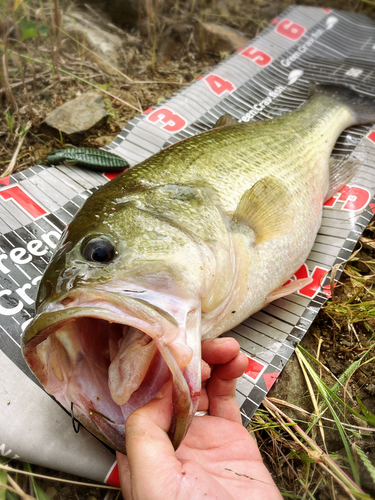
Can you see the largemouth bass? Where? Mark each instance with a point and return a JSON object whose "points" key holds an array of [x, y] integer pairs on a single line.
{"points": [[181, 248]]}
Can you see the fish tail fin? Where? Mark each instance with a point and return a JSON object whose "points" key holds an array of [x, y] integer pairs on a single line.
{"points": [[362, 106]]}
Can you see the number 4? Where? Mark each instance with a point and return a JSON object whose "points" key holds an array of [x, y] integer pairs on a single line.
{"points": [[218, 85]]}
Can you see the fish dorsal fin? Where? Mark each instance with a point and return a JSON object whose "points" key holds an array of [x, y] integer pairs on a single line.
{"points": [[340, 173], [265, 207], [226, 120]]}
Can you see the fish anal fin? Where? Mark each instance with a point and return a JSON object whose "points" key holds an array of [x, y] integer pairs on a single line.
{"points": [[225, 120], [341, 172], [284, 290], [265, 207]]}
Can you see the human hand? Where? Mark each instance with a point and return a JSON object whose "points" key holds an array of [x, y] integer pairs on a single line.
{"points": [[217, 459]]}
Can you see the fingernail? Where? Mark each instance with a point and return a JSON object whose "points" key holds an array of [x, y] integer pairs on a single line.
{"points": [[163, 391], [220, 340]]}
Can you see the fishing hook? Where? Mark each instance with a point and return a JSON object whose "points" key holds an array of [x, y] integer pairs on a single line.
{"points": [[74, 420]]}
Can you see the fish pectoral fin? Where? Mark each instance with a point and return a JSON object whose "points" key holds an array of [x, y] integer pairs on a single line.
{"points": [[340, 173], [225, 120], [265, 207], [284, 290]]}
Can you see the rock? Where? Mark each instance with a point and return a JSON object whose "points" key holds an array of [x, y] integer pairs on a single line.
{"points": [[291, 386], [218, 39], [102, 140], [103, 47], [123, 13], [175, 37], [77, 117], [51, 492]]}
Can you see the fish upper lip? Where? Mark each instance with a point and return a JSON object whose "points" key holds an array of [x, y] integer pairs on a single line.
{"points": [[115, 308]]}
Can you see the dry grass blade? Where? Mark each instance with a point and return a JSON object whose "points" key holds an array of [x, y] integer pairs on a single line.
{"points": [[16, 489], [316, 453], [312, 395], [12, 164], [7, 88], [311, 416], [72, 75], [97, 56], [337, 267]]}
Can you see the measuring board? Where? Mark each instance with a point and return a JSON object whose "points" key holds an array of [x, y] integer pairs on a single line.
{"points": [[263, 80]]}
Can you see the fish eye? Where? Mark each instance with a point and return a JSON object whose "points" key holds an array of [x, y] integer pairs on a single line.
{"points": [[98, 250]]}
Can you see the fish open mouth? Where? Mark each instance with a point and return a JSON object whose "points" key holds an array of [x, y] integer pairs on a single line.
{"points": [[107, 356]]}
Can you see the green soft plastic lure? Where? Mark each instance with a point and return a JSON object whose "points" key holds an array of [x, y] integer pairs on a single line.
{"points": [[96, 159]]}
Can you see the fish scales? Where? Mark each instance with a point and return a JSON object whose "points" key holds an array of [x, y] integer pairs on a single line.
{"points": [[182, 247]]}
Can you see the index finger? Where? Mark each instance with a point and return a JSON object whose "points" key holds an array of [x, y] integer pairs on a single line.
{"points": [[221, 388], [220, 350]]}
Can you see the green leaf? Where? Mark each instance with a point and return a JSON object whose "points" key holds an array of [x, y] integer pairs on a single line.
{"points": [[369, 466], [39, 493], [367, 413], [28, 29], [307, 459], [3, 481], [43, 30], [11, 496], [31, 30]]}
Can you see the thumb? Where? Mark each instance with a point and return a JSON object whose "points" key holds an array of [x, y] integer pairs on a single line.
{"points": [[147, 444]]}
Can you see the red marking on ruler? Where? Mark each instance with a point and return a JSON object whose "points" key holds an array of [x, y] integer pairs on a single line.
{"points": [[257, 56], [23, 200], [355, 198], [270, 379], [254, 368], [290, 30], [218, 85], [113, 175], [170, 121], [113, 476], [327, 290], [5, 180]]}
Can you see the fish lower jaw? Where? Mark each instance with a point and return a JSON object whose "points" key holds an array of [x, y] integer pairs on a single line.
{"points": [[103, 370]]}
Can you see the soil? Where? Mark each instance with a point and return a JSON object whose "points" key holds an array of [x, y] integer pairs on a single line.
{"points": [[149, 77]]}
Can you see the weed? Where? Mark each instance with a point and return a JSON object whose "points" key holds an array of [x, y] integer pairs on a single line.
{"points": [[10, 121]]}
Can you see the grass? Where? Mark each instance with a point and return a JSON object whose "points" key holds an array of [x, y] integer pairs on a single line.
{"points": [[304, 467]]}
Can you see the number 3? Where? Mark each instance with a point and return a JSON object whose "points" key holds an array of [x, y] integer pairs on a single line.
{"points": [[172, 121]]}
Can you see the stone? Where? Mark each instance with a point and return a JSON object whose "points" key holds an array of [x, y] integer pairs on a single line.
{"points": [[98, 44], [291, 386], [218, 39], [76, 117], [51, 492], [123, 13], [102, 140], [175, 38]]}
